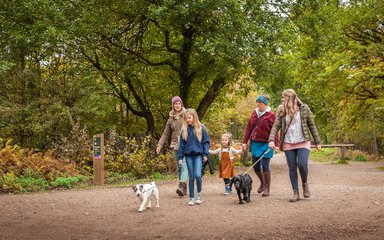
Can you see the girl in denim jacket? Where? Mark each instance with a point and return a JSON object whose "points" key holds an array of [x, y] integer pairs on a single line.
{"points": [[194, 147]]}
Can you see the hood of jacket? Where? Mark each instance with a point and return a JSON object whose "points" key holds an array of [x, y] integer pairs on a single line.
{"points": [[172, 113]]}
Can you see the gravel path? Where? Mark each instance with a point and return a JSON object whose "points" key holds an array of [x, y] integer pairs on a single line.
{"points": [[347, 202]]}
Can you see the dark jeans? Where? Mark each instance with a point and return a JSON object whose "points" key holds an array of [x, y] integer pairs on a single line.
{"points": [[227, 181], [297, 158], [264, 162]]}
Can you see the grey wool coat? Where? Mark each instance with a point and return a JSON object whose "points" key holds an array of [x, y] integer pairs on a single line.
{"points": [[172, 130], [307, 125]]}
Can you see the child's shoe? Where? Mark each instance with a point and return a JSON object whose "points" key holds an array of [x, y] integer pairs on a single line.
{"points": [[190, 202], [199, 198], [227, 190]]}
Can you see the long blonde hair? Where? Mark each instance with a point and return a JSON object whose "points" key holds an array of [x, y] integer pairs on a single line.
{"points": [[292, 104], [196, 124]]}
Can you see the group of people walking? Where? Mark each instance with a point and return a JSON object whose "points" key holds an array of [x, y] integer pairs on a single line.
{"points": [[288, 130]]}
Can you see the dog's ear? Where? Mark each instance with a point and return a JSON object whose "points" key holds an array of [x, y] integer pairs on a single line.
{"points": [[241, 180], [134, 188], [141, 186]]}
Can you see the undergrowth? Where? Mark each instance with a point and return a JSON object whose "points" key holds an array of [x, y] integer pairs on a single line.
{"points": [[126, 160], [333, 155]]}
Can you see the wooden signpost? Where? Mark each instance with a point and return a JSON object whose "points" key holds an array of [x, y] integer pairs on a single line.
{"points": [[98, 159]]}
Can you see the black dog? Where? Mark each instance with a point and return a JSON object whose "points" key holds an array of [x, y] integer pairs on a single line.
{"points": [[243, 184]]}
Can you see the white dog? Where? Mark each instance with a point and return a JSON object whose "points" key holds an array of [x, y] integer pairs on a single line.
{"points": [[144, 192]]}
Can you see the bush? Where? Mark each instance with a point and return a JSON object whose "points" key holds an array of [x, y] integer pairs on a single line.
{"points": [[360, 158], [30, 184], [156, 175], [70, 182], [12, 183], [26, 171], [117, 177], [77, 147], [134, 155]]}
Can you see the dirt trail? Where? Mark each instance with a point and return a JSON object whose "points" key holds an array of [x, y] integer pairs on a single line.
{"points": [[347, 202]]}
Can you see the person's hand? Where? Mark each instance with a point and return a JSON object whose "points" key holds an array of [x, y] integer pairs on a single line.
{"points": [[271, 144], [276, 149], [318, 147], [158, 149], [180, 162], [205, 158], [244, 147]]}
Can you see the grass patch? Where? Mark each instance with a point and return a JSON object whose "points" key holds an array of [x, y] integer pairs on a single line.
{"points": [[361, 158], [117, 179], [341, 161], [30, 182], [71, 182], [381, 168], [325, 155]]}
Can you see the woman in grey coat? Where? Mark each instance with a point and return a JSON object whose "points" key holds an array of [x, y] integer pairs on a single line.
{"points": [[172, 133], [296, 124]]}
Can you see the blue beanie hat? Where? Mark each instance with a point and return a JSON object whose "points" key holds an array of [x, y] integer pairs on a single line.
{"points": [[262, 99]]}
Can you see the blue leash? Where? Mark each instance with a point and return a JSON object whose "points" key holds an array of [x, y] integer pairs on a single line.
{"points": [[258, 160]]}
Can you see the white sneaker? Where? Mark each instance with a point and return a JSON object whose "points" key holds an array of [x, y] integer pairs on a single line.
{"points": [[199, 198], [190, 202]]}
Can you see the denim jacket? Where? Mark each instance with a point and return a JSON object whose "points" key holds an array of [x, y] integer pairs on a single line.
{"points": [[193, 146]]}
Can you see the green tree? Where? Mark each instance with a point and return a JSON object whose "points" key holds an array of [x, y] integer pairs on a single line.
{"points": [[148, 51], [42, 85], [337, 66]]}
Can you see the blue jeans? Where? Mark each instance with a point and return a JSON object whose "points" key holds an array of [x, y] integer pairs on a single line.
{"points": [[297, 158], [194, 164], [183, 173], [264, 162]]}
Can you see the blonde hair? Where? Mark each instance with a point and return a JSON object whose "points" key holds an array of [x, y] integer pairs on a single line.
{"points": [[229, 137], [195, 123], [291, 106]]}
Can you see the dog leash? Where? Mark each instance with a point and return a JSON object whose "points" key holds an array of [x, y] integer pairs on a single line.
{"points": [[149, 189], [269, 149]]}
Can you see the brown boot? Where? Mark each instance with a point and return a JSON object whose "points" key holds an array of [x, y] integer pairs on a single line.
{"points": [[261, 177], [295, 196], [306, 191], [267, 184], [180, 189], [184, 186]]}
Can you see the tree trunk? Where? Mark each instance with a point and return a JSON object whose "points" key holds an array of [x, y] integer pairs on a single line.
{"points": [[375, 147], [210, 96]]}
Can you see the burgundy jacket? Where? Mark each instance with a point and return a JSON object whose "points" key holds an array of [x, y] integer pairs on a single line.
{"points": [[263, 129]]}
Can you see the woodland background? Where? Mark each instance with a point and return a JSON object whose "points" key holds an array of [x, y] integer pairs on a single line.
{"points": [[70, 69]]}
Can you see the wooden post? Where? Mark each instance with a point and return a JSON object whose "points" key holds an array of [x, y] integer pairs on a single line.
{"points": [[98, 159], [342, 152]]}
